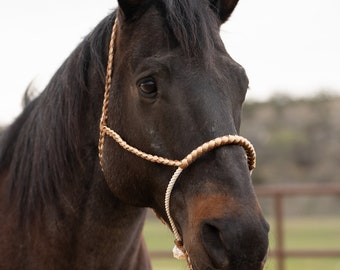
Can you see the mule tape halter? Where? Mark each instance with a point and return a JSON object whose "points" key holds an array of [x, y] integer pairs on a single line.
{"points": [[179, 250]]}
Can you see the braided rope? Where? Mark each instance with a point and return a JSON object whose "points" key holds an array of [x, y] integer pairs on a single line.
{"points": [[114, 135], [108, 81], [167, 202], [195, 154], [179, 250]]}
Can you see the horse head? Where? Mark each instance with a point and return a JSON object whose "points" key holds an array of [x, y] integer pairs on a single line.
{"points": [[175, 87]]}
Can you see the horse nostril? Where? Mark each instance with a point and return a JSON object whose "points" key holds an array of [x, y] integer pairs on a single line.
{"points": [[214, 247], [231, 245]]}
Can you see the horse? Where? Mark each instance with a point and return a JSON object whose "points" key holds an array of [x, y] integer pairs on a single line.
{"points": [[163, 85]]}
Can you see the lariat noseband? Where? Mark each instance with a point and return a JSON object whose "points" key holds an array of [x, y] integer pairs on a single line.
{"points": [[179, 250]]}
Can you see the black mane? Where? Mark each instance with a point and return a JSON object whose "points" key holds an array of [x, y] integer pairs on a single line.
{"points": [[41, 149]]}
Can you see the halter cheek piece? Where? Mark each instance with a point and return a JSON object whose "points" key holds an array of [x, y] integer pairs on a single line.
{"points": [[179, 250]]}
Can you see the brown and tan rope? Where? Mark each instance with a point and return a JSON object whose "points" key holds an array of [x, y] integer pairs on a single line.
{"points": [[181, 164]]}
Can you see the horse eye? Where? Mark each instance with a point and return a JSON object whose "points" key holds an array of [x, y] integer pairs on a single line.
{"points": [[147, 87]]}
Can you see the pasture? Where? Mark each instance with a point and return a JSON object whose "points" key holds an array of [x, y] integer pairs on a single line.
{"points": [[300, 233]]}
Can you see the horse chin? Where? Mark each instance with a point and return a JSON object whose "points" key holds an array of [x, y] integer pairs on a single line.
{"points": [[201, 258], [203, 262]]}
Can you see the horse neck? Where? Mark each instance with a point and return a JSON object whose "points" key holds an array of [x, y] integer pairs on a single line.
{"points": [[116, 229], [94, 229], [85, 222], [62, 196]]}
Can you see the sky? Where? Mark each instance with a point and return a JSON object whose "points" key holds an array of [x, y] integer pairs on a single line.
{"points": [[287, 47]]}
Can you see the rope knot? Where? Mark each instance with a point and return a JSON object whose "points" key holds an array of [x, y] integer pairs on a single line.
{"points": [[179, 251]]}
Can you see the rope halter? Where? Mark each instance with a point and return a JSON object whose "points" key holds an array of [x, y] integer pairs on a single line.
{"points": [[179, 250]]}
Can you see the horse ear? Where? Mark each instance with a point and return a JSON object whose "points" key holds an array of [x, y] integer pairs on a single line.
{"points": [[131, 8], [224, 8]]}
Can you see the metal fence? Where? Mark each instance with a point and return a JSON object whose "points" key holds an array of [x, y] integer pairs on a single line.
{"points": [[279, 193]]}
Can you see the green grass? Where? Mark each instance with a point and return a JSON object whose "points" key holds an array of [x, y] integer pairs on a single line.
{"points": [[159, 238], [300, 233], [317, 233], [304, 264], [309, 233]]}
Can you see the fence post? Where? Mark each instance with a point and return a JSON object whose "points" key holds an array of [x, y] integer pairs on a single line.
{"points": [[279, 231]]}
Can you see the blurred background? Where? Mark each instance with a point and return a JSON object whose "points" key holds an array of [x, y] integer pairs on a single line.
{"points": [[291, 52]]}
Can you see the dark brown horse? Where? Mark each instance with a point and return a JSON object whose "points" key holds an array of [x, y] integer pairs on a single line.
{"points": [[174, 87]]}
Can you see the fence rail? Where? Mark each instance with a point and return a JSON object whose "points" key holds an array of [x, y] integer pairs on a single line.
{"points": [[279, 192]]}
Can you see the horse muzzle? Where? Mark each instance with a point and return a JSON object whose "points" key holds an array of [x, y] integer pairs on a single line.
{"points": [[224, 235]]}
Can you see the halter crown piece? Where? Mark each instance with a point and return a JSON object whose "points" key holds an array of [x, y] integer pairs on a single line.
{"points": [[179, 250]]}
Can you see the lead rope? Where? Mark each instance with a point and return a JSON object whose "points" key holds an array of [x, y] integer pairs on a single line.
{"points": [[179, 250]]}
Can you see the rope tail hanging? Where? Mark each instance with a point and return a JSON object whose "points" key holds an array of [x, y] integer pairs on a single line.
{"points": [[179, 250]]}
